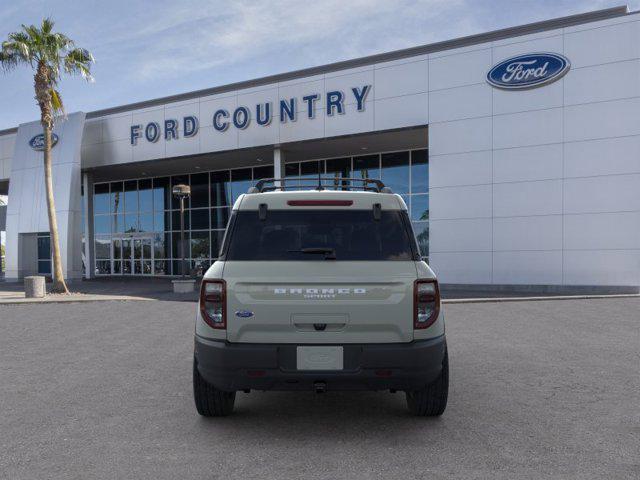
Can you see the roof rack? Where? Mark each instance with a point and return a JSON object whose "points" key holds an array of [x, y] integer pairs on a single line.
{"points": [[320, 183]]}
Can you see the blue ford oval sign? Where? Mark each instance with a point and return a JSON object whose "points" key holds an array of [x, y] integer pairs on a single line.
{"points": [[244, 314], [528, 71], [37, 142]]}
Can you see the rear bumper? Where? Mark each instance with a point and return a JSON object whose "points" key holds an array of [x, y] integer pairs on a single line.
{"points": [[242, 366]]}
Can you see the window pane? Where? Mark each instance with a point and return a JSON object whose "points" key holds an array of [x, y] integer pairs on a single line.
{"points": [[161, 194], [175, 220], [117, 248], [292, 170], [367, 166], [395, 171], [117, 268], [146, 249], [161, 267], [137, 249], [103, 267], [160, 244], [341, 168], [200, 190], [220, 190], [219, 218], [177, 266], [240, 182], [160, 221], [421, 230], [102, 224], [126, 267], [420, 171], [103, 247], [146, 222], [44, 267], [200, 219], [176, 180], [145, 195], [130, 222], [131, 196], [117, 223], [116, 197], [309, 171], [126, 248], [262, 172], [101, 198], [200, 245], [44, 247], [420, 207]]}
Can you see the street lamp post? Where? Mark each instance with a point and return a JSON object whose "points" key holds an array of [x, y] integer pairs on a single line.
{"points": [[182, 192]]}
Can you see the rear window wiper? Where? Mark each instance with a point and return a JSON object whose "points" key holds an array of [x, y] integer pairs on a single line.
{"points": [[329, 253]]}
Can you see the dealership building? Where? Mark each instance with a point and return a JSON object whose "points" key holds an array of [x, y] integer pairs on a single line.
{"points": [[516, 151]]}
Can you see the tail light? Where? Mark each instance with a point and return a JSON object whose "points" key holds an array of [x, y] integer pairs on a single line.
{"points": [[426, 303], [213, 296]]}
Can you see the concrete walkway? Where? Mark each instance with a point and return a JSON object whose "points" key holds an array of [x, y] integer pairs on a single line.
{"points": [[103, 289]]}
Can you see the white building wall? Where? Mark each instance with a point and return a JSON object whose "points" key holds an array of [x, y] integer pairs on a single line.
{"points": [[543, 184], [7, 143], [27, 207]]}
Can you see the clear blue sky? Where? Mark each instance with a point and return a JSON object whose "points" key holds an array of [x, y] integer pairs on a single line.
{"points": [[149, 49]]}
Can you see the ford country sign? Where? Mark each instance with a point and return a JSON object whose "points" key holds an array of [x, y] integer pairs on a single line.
{"points": [[37, 142], [528, 71]]}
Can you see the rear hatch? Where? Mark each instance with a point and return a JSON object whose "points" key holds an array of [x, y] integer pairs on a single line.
{"points": [[320, 275], [319, 302]]}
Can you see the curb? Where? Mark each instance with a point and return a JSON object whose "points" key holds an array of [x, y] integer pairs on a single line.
{"points": [[537, 299], [31, 301]]}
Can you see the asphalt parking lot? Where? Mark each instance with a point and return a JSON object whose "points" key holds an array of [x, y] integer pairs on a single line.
{"points": [[547, 389]]}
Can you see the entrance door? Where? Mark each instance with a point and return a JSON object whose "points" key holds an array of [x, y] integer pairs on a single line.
{"points": [[133, 255], [142, 256]]}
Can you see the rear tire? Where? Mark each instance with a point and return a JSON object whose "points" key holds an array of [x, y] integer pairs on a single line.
{"points": [[432, 400], [211, 402]]}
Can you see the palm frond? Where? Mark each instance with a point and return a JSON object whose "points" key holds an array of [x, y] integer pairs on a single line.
{"points": [[78, 62], [56, 101]]}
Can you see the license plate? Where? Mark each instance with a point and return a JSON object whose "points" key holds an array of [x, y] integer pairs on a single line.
{"points": [[320, 358]]}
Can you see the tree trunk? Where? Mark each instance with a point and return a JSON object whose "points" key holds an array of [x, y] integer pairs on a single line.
{"points": [[59, 285], [42, 85]]}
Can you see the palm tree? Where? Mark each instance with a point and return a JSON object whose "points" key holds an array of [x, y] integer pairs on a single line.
{"points": [[48, 54]]}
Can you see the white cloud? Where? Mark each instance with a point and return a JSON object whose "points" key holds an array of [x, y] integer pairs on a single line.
{"points": [[202, 35]]}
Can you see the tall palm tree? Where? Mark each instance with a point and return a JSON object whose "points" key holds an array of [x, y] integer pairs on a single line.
{"points": [[49, 54]]}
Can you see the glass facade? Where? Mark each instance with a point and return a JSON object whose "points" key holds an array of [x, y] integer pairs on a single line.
{"points": [[137, 222]]}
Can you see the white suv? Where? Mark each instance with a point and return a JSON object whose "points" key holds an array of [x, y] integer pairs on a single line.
{"points": [[320, 290]]}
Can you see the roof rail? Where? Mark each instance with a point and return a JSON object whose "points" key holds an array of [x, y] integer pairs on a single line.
{"points": [[320, 183]]}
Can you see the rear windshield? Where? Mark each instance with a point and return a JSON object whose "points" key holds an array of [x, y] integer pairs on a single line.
{"points": [[319, 235]]}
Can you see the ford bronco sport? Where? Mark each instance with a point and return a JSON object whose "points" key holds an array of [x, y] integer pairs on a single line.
{"points": [[320, 290]]}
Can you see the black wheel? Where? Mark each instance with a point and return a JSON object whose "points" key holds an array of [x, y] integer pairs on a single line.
{"points": [[211, 402], [431, 401]]}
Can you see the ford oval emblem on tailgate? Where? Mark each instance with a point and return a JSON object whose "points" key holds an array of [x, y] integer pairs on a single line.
{"points": [[244, 314]]}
